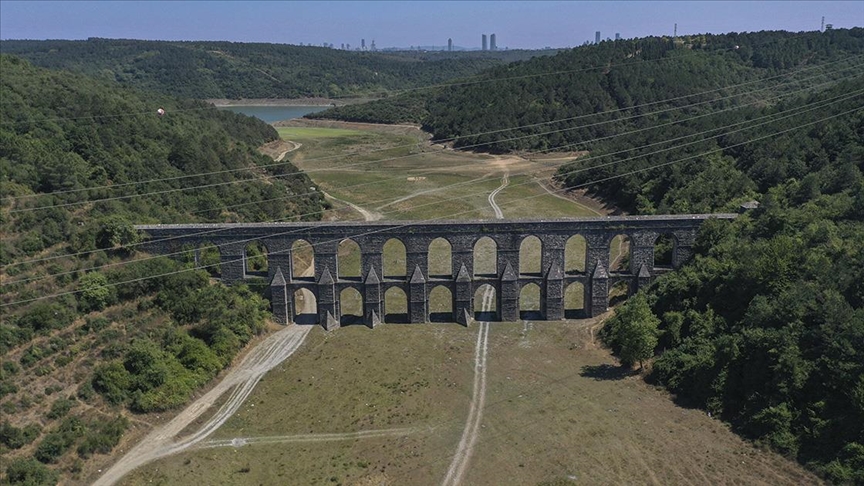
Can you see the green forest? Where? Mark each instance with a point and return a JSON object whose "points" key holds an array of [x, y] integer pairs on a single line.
{"points": [[236, 70], [550, 97], [81, 161], [765, 327]]}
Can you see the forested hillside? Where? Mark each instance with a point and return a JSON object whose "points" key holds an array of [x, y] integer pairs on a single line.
{"points": [[80, 162], [233, 70], [613, 82], [765, 328]]}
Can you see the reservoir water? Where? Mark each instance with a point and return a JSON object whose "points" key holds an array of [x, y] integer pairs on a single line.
{"points": [[272, 114]]}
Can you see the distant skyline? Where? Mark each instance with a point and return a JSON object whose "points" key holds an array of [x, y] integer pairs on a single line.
{"points": [[517, 24]]}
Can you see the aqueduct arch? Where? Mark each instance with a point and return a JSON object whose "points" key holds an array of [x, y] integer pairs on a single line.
{"points": [[326, 285]]}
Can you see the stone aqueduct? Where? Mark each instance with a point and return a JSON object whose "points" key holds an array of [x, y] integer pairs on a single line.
{"points": [[508, 235]]}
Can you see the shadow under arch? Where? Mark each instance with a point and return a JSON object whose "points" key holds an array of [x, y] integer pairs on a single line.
{"points": [[486, 303], [440, 304], [350, 307], [304, 299], [395, 306], [574, 301], [529, 302]]}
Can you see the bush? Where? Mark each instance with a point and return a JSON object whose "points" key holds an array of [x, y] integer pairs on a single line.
{"points": [[101, 437], [56, 443], [31, 473], [95, 293], [60, 408], [113, 382], [15, 438]]}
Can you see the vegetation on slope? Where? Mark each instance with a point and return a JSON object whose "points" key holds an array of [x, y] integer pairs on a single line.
{"points": [[555, 94], [765, 328], [68, 145], [234, 70]]}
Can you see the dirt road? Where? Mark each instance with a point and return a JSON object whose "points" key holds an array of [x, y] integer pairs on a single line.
{"points": [[460, 461], [281, 156], [505, 181], [161, 442], [367, 215]]}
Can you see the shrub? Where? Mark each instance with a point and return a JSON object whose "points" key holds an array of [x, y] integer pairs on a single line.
{"points": [[101, 437], [60, 408], [31, 473], [15, 438]]}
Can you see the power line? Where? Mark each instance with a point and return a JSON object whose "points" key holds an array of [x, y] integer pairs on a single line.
{"points": [[450, 186], [114, 284], [452, 139], [301, 173]]}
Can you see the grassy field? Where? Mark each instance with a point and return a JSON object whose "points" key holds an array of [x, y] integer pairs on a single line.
{"points": [[389, 405], [558, 409]]}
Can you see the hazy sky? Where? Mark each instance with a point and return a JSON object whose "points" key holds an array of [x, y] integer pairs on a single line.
{"points": [[518, 24]]}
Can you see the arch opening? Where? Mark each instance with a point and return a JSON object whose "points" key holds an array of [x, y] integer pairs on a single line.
{"points": [[531, 256], [348, 260], [574, 301], [575, 254], [440, 257], [393, 259], [619, 254], [486, 258], [395, 305], [619, 292], [529, 302], [441, 304], [663, 249], [350, 307], [256, 259], [305, 307], [302, 260], [486, 303]]}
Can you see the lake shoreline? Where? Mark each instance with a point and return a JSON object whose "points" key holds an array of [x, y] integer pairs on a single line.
{"points": [[222, 102]]}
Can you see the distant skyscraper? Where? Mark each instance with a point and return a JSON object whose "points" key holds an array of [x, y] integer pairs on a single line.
{"points": [[363, 44], [492, 45], [343, 46], [597, 37], [449, 44], [617, 36], [372, 47], [485, 44]]}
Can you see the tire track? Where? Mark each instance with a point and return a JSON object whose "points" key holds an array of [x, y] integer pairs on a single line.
{"points": [[505, 181], [284, 439], [241, 381], [460, 461]]}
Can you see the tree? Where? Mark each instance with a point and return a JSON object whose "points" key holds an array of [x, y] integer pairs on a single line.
{"points": [[635, 331], [95, 292], [30, 472]]}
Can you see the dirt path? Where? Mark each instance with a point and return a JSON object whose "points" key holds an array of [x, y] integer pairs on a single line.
{"points": [[505, 181], [241, 380], [285, 439], [559, 196], [460, 461], [160, 442], [296, 145], [367, 215]]}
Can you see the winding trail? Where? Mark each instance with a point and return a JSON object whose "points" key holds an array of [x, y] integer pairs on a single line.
{"points": [[367, 215], [465, 449], [241, 380], [281, 156], [460, 461], [505, 181]]}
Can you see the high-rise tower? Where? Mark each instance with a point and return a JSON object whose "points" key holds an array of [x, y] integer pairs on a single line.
{"points": [[449, 44], [492, 45], [485, 44], [362, 44], [617, 36], [597, 37]]}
